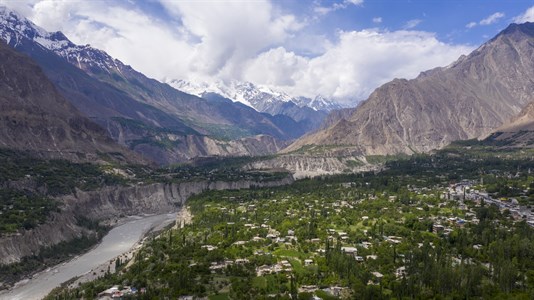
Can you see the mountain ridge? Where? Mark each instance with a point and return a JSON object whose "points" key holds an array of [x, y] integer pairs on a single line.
{"points": [[257, 97], [36, 118], [139, 112], [309, 113], [467, 99]]}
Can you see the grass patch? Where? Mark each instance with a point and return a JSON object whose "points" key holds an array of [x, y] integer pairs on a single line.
{"points": [[219, 297]]}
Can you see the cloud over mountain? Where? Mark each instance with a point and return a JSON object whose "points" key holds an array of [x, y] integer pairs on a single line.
{"points": [[197, 41]]}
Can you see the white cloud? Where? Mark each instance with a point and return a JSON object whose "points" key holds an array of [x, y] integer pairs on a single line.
{"points": [[527, 16], [249, 41], [354, 2], [323, 10], [471, 24], [377, 20], [354, 67], [492, 19], [231, 32], [412, 23]]}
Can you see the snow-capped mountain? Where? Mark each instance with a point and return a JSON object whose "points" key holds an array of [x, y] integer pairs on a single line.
{"points": [[14, 27], [144, 114], [309, 113], [261, 98], [317, 103]]}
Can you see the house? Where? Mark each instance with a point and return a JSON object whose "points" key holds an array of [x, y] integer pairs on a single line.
{"points": [[438, 228], [109, 292], [378, 275], [271, 236], [334, 290], [285, 264], [308, 262], [400, 272], [280, 240], [307, 288], [349, 250], [209, 247], [241, 261], [262, 270], [365, 245]]}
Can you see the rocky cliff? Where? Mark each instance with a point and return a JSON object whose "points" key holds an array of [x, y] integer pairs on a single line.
{"points": [[111, 203], [316, 163]]}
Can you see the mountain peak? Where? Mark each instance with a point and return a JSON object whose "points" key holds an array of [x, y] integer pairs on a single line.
{"points": [[14, 26], [525, 28], [259, 97], [468, 99]]}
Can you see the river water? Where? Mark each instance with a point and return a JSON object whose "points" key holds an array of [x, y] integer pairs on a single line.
{"points": [[119, 240]]}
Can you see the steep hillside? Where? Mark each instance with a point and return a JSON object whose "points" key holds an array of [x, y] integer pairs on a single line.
{"points": [[518, 132], [468, 99], [137, 111], [35, 117]]}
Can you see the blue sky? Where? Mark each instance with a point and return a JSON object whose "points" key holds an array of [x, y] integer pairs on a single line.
{"points": [[448, 19], [340, 49]]}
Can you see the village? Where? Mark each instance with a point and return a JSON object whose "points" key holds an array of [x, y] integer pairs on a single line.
{"points": [[285, 241]]}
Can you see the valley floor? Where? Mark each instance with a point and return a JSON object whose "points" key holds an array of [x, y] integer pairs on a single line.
{"points": [[452, 225]]}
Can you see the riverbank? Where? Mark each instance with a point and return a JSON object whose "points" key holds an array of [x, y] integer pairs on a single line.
{"points": [[183, 216], [120, 240]]}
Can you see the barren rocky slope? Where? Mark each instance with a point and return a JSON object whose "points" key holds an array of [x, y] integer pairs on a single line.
{"points": [[36, 118], [148, 116], [518, 132], [468, 99]]}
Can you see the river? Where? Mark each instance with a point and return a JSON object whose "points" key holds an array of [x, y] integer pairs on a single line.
{"points": [[118, 241]]}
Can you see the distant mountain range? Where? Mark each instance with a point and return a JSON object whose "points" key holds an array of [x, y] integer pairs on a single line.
{"points": [[308, 112], [468, 99], [148, 116], [258, 97]]}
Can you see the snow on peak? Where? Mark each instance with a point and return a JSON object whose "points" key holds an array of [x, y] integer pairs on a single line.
{"points": [[255, 96], [14, 28]]}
